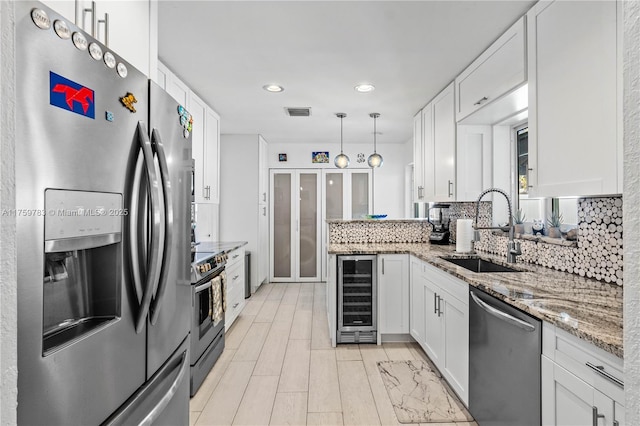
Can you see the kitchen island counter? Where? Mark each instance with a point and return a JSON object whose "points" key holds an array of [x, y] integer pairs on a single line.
{"points": [[586, 308]]}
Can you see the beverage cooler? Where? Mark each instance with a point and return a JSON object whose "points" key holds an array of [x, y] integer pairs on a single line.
{"points": [[357, 299]]}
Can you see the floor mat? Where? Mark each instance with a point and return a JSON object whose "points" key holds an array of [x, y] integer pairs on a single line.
{"points": [[419, 395]]}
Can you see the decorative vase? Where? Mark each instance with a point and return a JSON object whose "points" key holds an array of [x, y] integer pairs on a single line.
{"points": [[518, 228], [554, 232]]}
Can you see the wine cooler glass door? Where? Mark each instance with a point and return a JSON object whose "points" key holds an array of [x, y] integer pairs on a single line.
{"points": [[357, 293]]}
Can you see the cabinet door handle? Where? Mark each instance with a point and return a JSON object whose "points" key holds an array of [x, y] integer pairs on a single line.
{"points": [[480, 101], [600, 370], [235, 305], [596, 415], [450, 188], [264, 197], [439, 307], [264, 211], [91, 10], [236, 277], [105, 21], [435, 303], [420, 190], [383, 266]]}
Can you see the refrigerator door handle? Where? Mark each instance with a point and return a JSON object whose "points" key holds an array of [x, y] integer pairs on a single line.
{"points": [[153, 414], [134, 237], [152, 259], [137, 405], [165, 180]]}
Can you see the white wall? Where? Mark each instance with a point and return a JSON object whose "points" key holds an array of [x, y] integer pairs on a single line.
{"points": [[631, 200], [388, 180], [8, 281]]}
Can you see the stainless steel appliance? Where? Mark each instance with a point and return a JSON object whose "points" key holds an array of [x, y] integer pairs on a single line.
{"points": [[439, 220], [357, 299], [102, 196], [505, 346], [208, 284]]}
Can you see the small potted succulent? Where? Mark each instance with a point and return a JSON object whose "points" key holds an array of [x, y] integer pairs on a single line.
{"points": [[518, 220], [554, 221]]}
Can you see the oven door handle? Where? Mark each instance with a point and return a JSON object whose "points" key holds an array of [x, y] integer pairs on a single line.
{"points": [[152, 256], [204, 286], [165, 180]]}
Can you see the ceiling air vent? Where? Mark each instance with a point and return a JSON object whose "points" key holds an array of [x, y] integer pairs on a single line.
{"points": [[298, 112]]}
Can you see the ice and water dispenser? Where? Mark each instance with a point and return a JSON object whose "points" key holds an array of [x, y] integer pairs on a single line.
{"points": [[82, 270]]}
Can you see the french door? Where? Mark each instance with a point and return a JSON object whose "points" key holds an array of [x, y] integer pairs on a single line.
{"points": [[346, 194], [295, 225]]}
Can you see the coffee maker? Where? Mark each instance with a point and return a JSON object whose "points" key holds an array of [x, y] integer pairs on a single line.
{"points": [[439, 219]]}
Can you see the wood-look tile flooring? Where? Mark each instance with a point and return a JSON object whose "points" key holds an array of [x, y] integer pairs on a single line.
{"points": [[278, 368]]}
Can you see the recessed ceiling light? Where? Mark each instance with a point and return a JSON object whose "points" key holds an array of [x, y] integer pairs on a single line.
{"points": [[273, 88], [364, 88]]}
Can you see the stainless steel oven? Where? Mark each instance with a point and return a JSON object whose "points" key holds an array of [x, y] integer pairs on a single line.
{"points": [[207, 319]]}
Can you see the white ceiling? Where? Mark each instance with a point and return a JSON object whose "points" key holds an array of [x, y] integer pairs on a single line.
{"points": [[319, 50]]}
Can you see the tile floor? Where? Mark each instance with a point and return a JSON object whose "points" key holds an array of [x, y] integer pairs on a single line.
{"points": [[279, 368]]}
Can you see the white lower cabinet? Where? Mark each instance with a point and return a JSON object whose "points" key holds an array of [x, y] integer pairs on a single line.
{"points": [[574, 393], [417, 289], [439, 322], [235, 286], [393, 294]]}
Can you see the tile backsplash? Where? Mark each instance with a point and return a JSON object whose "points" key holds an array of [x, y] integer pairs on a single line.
{"points": [[597, 254]]}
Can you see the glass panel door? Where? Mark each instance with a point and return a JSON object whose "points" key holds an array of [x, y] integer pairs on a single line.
{"points": [[295, 226], [334, 196], [309, 224], [360, 194], [281, 195]]}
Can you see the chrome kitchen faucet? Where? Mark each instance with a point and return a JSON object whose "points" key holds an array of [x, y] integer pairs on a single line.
{"points": [[513, 247]]}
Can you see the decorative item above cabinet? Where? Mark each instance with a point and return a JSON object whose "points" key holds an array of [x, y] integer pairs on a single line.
{"points": [[495, 73]]}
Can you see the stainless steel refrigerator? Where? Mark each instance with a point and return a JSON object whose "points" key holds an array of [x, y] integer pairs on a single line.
{"points": [[103, 197]]}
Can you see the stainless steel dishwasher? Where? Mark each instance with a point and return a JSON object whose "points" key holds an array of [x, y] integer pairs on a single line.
{"points": [[505, 345]]}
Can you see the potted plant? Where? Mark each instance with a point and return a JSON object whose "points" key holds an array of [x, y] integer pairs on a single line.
{"points": [[518, 220], [554, 221]]}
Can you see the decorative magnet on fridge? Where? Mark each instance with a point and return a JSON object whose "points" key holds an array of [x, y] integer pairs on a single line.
{"points": [[320, 157]]}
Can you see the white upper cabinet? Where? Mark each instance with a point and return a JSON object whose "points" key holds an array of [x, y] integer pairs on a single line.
{"points": [[129, 28], [575, 98], [434, 149], [66, 8], [205, 149], [418, 166], [172, 84], [473, 161], [500, 69], [444, 146]]}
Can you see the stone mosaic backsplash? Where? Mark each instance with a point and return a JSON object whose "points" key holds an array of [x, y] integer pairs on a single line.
{"points": [[598, 254], [379, 231]]}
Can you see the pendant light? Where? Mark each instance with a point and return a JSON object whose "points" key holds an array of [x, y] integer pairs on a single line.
{"points": [[375, 159], [341, 161]]}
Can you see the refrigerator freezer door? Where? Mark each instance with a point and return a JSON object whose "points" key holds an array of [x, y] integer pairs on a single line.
{"points": [[73, 133], [161, 400], [171, 305]]}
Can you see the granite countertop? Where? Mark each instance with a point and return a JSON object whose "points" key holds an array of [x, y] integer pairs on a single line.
{"points": [[588, 309], [218, 247]]}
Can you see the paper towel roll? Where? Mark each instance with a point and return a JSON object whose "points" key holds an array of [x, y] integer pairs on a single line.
{"points": [[464, 235]]}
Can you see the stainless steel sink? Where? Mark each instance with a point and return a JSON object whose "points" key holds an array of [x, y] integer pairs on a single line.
{"points": [[479, 265]]}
